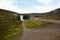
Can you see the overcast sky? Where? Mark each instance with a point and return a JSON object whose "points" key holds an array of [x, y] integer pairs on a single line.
{"points": [[29, 6]]}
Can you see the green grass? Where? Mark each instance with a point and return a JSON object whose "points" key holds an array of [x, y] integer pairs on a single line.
{"points": [[10, 29], [35, 23], [10, 26]]}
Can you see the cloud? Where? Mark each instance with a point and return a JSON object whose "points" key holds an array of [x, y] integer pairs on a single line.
{"points": [[6, 4], [44, 1], [9, 5], [46, 7], [58, 4], [42, 9]]}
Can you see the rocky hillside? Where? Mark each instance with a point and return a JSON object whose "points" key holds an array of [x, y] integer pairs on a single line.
{"points": [[8, 14], [55, 15]]}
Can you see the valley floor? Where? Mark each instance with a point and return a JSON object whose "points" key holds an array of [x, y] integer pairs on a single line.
{"points": [[48, 32]]}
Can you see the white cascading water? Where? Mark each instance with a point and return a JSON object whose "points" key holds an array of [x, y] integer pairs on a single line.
{"points": [[21, 18]]}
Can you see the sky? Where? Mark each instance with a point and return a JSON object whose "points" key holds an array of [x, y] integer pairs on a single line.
{"points": [[30, 6]]}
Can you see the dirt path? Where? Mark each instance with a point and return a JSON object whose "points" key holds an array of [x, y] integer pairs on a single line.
{"points": [[55, 21], [44, 33], [48, 32], [51, 21], [25, 30]]}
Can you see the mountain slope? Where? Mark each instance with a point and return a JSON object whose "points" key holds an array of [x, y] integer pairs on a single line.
{"points": [[10, 26], [53, 15]]}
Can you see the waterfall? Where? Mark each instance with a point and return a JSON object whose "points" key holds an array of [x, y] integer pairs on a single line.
{"points": [[21, 18]]}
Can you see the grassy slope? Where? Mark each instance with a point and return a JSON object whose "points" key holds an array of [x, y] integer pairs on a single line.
{"points": [[52, 15], [10, 27], [35, 23]]}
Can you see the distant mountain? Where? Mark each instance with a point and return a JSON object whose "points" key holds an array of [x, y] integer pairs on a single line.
{"points": [[55, 15]]}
